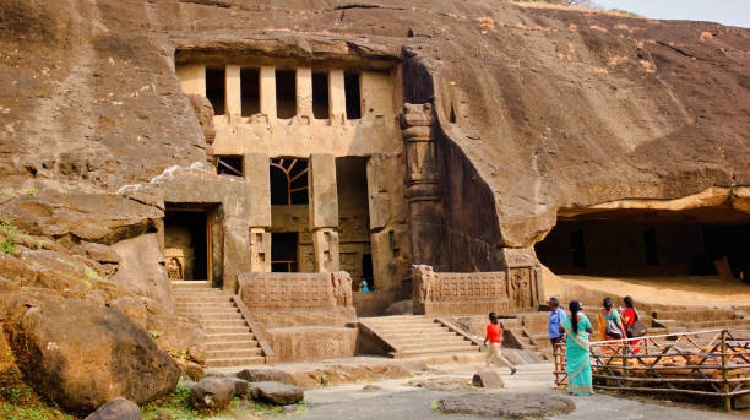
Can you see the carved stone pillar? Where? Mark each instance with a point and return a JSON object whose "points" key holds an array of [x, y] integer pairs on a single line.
{"points": [[324, 215], [256, 168], [423, 189]]}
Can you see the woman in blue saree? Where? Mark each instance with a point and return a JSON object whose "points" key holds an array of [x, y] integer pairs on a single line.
{"points": [[577, 362]]}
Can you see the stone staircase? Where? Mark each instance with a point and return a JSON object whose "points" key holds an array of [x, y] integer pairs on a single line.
{"points": [[229, 339], [416, 336]]}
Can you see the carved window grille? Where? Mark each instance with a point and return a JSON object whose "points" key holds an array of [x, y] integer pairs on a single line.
{"points": [[289, 181], [229, 165]]}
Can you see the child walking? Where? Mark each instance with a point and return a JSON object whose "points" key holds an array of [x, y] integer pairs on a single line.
{"points": [[495, 337]]}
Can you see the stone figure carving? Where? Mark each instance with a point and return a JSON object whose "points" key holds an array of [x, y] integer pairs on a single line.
{"points": [[425, 283], [521, 284], [342, 288], [174, 268]]}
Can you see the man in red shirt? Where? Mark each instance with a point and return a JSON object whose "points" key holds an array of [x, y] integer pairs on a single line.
{"points": [[495, 337]]}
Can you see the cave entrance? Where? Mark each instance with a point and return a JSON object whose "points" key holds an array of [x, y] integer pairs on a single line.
{"points": [[638, 243], [188, 240], [355, 253]]}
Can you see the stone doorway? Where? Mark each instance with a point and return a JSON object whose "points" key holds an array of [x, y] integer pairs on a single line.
{"points": [[355, 251], [188, 251]]}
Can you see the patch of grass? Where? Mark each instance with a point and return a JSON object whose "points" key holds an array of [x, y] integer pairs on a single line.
{"points": [[8, 236], [93, 274], [10, 411], [176, 406], [65, 261], [31, 192], [625, 12]]}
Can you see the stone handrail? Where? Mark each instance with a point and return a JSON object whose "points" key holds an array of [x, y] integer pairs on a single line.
{"points": [[260, 332]]}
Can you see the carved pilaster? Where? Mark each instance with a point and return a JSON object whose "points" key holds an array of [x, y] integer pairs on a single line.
{"points": [[423, 187], [524, 277]]}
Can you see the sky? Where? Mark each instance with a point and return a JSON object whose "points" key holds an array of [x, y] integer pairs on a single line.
{"points": [[726, 12]]}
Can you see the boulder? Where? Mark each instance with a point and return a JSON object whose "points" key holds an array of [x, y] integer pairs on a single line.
{"points": [[276, 393], [488, 378], [133, 308], [241, 387], [194, 371], [118, 408], [80, 356], [212, 394]]}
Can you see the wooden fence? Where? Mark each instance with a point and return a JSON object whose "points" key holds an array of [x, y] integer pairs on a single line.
{"points": [[714, 363]]}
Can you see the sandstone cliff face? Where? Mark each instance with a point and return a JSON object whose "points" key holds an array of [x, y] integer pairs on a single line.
{"points": [[538, 110], [552, 108]]}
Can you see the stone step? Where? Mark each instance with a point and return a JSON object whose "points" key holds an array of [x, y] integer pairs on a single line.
{"points": [[407, 329], [224, 329], [237, 322], [205, 306], [394, 317], [454, 338], [229, 337], [197, 284], [417, 321], [202, 299], [234, 353], [433, 351], [405, 347], [234, 361], [214, 314], [231, 345], [217, 316]]}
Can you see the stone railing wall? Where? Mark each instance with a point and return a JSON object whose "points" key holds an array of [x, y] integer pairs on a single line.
{"points": [[296, 291], [472, 293]]}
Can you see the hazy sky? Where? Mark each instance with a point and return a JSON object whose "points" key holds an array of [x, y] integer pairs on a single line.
{"points": [[726, 12]]}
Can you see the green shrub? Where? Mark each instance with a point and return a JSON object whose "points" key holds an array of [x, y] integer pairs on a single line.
{"points": [[8, 234]]}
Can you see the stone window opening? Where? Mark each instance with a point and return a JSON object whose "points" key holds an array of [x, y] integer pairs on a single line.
{"points": [[353, 93], [289, 181], [286, 94], [320, 100], [284, 247], [249, 91], [215, 88], [229, 165]]}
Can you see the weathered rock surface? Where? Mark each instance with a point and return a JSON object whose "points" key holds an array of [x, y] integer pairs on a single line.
{"points": [[212, 394], [80, 356], [648, 122], [508, 405], [117, 409], [315, 375], [276, 393]]}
